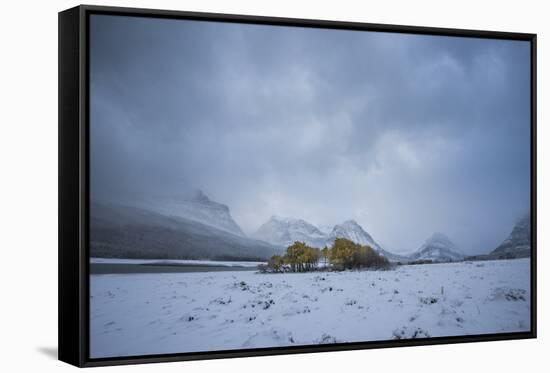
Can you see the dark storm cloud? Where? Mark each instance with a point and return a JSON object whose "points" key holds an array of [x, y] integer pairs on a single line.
{"points": [[406, 134]]}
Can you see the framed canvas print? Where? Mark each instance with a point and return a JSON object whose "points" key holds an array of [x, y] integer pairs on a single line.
{"points": [[241, 186]]}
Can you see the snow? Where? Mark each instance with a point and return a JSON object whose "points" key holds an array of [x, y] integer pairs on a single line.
{"points": [[519, 240], [134, 314], [438, 248], [176, 261], [354, 232], [195, 206], [282, 231]]}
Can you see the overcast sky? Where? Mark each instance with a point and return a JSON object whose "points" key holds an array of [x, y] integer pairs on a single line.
{"points": [[406, 134]]}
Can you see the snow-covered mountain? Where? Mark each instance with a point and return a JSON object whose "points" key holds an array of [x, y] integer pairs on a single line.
{"points": [[195, 206], [118, 231], [351, 230], [518, 243], [438, 248], [325, 228], [354, 232], [285, 231]]}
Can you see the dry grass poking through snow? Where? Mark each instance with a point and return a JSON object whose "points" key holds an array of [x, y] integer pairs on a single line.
{"points": [[184, 312]]}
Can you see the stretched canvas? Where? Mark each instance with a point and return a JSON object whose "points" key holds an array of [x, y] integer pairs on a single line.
{"points": [[269, 186]]}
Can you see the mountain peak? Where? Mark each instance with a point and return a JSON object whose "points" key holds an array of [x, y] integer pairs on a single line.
{"points": [[194, 204], [518, 242], [438, 248], [351, 230], [351, 223], [199, 196], [282, 231], [438, 237]]}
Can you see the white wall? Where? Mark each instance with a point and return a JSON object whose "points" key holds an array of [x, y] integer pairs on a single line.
{"points": [[28, 183]]}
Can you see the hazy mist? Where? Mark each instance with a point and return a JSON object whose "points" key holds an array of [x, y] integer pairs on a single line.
{"points": [[405, 134]]}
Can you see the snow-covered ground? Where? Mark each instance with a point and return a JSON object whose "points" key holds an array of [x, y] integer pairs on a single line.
{"points": [[139, 314], [219, 263]]}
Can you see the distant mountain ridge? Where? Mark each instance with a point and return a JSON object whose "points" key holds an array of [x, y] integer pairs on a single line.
{"points": [[351, 230], [127, 232], [283, 232], [518, 243], [438, 248], [194, 205], [192, 226]]}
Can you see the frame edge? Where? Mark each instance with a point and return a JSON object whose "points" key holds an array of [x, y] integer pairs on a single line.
{"points": [[306, 22], [69, 249]]}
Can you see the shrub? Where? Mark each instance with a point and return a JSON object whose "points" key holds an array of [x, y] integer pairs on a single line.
{"points": [[344, 254], [325, 253], [276, 263], [347, 254], [301, 257], [421, 261]]}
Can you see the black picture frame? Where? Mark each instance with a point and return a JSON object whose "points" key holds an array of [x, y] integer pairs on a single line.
{"points": [[74, 184]]}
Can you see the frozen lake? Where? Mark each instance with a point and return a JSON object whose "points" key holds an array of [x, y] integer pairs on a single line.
{"points": [[101, 266]]}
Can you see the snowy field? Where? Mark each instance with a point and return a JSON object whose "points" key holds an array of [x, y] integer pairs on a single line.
{"points": [[140, 314]]}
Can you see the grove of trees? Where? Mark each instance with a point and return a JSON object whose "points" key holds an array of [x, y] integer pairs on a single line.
{"points": [[301, 257], [343, 254]]}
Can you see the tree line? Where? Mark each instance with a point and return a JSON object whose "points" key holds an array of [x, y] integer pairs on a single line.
{"points": [[343, 254]]}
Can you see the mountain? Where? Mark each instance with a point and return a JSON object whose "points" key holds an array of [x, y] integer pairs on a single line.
{"points": [[195, 205], [354, 232], [127, 232], [518, 243], [351, 230], [325, 228], [283, 232], [438, 248]]}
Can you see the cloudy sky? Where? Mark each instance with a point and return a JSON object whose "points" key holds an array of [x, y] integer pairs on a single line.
{"points": [[406, 134]]}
